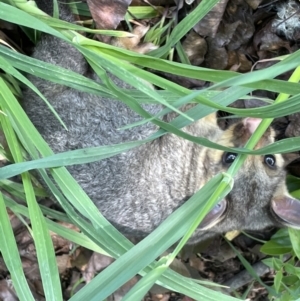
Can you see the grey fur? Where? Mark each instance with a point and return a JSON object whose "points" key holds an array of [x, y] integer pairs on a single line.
{"points": [[138, 189]]}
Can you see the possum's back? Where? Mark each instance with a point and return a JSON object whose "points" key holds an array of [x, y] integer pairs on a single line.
{"points": [[135, 190]]}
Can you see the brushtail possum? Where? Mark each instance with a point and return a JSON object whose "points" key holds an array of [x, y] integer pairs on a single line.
{"points": [[140, 188]]}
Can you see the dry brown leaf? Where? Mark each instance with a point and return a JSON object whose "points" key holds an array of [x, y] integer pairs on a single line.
{"points": [[195, 48], [208, 26], [108, 14], [253, 3], [197, 263], [266, 40], [97, 263]]}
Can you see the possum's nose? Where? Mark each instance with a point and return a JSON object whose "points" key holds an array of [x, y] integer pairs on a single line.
{"points": [[214, 216]]}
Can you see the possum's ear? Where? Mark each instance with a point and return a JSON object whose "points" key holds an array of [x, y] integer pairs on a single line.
{"points": [[291, 158], [287, 210], [251, 124]]}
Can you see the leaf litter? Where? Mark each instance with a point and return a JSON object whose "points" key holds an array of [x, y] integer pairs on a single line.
{"points": [[242, 35]]}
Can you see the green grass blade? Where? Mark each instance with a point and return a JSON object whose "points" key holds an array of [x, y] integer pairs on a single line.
{"points": [[44, 246], [185, 25], [42, 240], [10, 254]]}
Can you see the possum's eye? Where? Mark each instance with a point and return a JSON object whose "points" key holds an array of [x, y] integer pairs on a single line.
{"points": [[270, 160], [228, 158]]}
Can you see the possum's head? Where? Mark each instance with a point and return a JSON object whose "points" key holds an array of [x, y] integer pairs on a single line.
{"points": [[259, 197]]}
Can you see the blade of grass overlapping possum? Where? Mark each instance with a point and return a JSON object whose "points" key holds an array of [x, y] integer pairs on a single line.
{"points": [[44, 247], [112, 64], [89, 155], [8, 68], [127, 75]]}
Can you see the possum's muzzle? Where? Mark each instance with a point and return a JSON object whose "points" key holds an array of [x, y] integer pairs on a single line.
{"points": [[214, 216]]}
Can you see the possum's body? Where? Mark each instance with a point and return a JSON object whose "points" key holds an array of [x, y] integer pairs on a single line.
{"points": [[138, 189]]}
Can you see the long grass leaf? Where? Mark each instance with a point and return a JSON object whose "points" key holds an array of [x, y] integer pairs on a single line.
{"points": [[42, 240], [10, 253]]}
